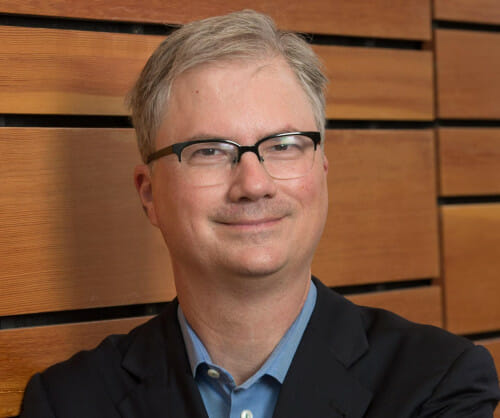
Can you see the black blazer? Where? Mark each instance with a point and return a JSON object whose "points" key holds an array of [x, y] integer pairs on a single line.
{"points": [[352, 362]]}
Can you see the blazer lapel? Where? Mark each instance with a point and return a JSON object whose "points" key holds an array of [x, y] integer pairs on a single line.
{"points": [[165, 387], [320, 381], [155, 399], [149, 399]]}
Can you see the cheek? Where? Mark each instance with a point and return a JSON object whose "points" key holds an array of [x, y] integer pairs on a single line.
{"points": [[184, 208], [168, 201], [317, 201], [312, 191]]}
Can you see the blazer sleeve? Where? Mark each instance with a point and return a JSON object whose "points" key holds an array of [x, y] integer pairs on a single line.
{"points": [[35, 402], [469, 388]]}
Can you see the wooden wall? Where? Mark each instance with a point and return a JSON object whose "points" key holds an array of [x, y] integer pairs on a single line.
{"points": [[413, 141]]}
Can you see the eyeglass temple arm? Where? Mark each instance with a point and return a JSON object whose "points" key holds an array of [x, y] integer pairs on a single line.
{"points": [[161, 153]]}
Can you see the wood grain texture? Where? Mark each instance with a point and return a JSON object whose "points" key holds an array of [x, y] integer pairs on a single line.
{"points": [[471, 262], [72, 231], [407, 19], [26, 351], [469, 161], [51, 71], [468, 74], [422, 305], [382, 223], [378, 83], [75, 72], [477, 11]]}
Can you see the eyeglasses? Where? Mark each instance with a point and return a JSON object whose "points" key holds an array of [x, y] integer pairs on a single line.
{"points": [[208, 162]]}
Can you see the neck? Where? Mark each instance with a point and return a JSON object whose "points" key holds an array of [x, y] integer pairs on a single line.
{"points": [[241, 325]]}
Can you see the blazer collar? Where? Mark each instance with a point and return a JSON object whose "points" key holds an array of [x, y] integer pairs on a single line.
{"points": [[320, 382]]}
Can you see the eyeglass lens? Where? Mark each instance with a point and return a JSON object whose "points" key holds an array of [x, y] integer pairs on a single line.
{"points": [[284, 157]]}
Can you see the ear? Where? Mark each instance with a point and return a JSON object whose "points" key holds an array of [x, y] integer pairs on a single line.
{"points": [[144, 186], [325, 163]]}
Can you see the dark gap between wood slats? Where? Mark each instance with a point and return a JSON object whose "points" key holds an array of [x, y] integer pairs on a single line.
{"points": [[483, 335], [48, 22], [64, 121], [104, 121], [468, 123], [343, 40], [481, 27], [468, 200], [80, 315], [100, 121], [380, 287]]}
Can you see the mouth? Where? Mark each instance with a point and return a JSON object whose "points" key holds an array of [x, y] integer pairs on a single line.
{"points": [[252, 224]]}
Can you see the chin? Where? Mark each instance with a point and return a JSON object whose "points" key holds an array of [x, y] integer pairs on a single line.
{"points": [[259, 265], [257, 273]]}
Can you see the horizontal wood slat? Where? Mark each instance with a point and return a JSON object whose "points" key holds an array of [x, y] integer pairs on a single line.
{"points": [[26, 351], [477, 11], [72, 231], [377, 83], [407, 19], [422, 305], [469, 161], [69, 72], [382, 223], [468, 70], [471, 257], [51, 71]]}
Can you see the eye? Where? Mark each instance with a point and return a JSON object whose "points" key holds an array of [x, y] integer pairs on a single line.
{"points": [[281, 147], [208, 153], [289, 147]]}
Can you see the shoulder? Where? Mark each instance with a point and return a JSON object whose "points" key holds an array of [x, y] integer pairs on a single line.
{"points": [[384, 330], [99, 376], [108, 355], [425, 367]]}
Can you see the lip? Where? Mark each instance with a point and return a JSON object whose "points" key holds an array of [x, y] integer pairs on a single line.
{"points": [[253, 223]]}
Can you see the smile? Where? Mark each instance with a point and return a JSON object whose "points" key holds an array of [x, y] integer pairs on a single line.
{"points": [[253, 223]]}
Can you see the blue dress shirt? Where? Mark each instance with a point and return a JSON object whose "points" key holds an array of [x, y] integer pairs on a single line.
{"points": [[256, 397]]}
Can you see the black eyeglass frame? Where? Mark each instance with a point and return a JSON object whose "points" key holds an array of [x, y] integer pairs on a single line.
{"points": [[178, 147]]}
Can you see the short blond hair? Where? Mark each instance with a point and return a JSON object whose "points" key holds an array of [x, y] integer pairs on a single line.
{"points": [[243, 35]]}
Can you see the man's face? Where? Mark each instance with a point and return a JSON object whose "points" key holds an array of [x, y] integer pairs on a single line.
{"points": [[252, 225]]}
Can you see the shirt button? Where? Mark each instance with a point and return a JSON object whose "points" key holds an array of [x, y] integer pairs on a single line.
{"points": [[214, 374], [246, 414]]}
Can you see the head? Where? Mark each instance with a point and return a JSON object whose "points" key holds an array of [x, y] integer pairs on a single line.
{"points": [[241, 36], [235, 78]]}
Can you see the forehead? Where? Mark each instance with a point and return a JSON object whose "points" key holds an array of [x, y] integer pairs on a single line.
{"points": [[236, 99]]}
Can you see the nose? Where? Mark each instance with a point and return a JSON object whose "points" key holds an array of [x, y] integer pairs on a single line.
{"points": [[250, 180]]}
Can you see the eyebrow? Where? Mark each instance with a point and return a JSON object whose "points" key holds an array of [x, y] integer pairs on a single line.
{"points": [[205, 136], [201, 137]]}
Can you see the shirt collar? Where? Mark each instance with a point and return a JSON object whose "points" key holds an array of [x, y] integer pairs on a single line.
{"points": [[279, 361]]}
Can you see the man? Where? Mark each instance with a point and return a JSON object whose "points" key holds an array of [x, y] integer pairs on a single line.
{"points": [[229, 114]]}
